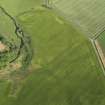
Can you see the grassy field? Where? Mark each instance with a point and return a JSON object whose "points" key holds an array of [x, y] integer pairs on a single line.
{"points": [[69, 71], [15, 7], [87, 14], [65, 68]]}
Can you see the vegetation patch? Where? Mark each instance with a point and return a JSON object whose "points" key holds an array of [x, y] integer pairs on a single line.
{"points": [[15, 49]]}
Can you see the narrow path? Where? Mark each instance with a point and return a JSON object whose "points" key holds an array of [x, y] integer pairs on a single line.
{"points": [[100, 52]]}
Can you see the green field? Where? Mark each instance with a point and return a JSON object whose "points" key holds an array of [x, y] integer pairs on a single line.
{"points": [[14, 7], [86, 14], [65, 68]]}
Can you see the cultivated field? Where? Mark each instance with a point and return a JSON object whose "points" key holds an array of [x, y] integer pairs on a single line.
{"points": [[87, 14]]}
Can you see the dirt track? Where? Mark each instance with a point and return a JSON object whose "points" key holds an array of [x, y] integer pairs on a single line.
{"points": [[100, 52]]}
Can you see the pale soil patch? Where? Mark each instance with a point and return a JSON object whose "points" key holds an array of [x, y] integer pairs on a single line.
{"points": [[34, 67], [4, 73], [2, 47], [100, 52], [16, 65]]}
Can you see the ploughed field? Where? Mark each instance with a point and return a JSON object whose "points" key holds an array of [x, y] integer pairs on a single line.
{"points": [[86, 14]]}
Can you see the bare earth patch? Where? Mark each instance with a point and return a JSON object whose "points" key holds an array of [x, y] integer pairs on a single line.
{"points": [[16, 65], [2, 47]]}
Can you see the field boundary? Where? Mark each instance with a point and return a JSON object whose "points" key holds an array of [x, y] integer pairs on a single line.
{"points": [[99, 54], [98, 50]]}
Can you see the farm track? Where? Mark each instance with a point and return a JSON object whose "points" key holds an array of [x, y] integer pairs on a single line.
{"points": [[98, 50], [99, 54]]}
